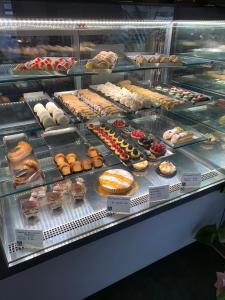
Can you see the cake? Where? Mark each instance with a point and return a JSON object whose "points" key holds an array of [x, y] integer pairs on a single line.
{"points": [[116, 181]]}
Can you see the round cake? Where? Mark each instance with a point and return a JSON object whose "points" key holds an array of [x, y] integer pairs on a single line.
{"points": [[116, 181]]}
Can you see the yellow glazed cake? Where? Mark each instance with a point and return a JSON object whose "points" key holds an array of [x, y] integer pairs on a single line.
{"points": [[116, 181]]}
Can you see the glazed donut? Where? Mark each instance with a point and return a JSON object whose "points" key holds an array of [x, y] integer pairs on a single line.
{"points": [[22, 150]]}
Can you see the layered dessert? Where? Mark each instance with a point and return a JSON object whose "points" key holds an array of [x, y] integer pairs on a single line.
{"points": [[78, 189], [30, 208]]}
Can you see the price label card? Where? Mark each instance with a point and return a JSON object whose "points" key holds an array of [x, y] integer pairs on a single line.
{"points": [[157, 193], [118, 204], [29, 238], [191, 179]]}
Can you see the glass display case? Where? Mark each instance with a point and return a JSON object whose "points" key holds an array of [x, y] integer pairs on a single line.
{"points": [[93, 111]]}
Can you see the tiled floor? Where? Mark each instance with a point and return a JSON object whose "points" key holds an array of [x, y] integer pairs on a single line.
{"points": [[188, 274]]}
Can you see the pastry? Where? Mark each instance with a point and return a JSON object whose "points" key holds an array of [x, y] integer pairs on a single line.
{"points": [[99, 104], [71, 158], [167, 135], [87, 164], [77, 107], [22, 150], [135, 154], [137, 134], [103, 60], [182, 137], [64, 168], [124, 144], [153, 97], [97, 161], [129, 99], [116, 181], [76, 166], [25, 172], [222, 120], [119, 123], [141, 165], [30, 208], [158, 149], [167, 168], [55, 200], [146, 142], [211, 139], [78, 189], [60, 64], [62, 186], [129, 149]]}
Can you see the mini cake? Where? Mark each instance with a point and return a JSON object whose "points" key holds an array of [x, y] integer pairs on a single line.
{"points": [[137, 134], [78, 189], [55, 200], [29, 208], [167, 168], [158, 149], [119, 123], [116, 181]]}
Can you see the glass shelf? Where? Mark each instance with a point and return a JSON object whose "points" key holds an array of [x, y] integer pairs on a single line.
{"points": [[20, 116], [79, 70]]}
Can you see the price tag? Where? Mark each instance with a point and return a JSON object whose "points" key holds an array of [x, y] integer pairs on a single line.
{"points": [[118, 204], [29, 238], [33, 95], [157, 193], [191, 179]]}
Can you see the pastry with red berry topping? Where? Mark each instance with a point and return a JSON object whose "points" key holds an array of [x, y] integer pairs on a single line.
{"points": [[158, 149], [119, 123], [137, 134]]}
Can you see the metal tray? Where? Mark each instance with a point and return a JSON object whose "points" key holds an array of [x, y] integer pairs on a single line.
{"points": [[185, 103], [32, 103], [128, 140]]}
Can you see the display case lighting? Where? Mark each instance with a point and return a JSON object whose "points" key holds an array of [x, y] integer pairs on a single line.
{"points": [[69, 24]]}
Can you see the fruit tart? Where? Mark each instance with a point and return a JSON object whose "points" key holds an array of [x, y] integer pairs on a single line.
{"points": [[137, 134], [119, 123], [158, 149]]}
